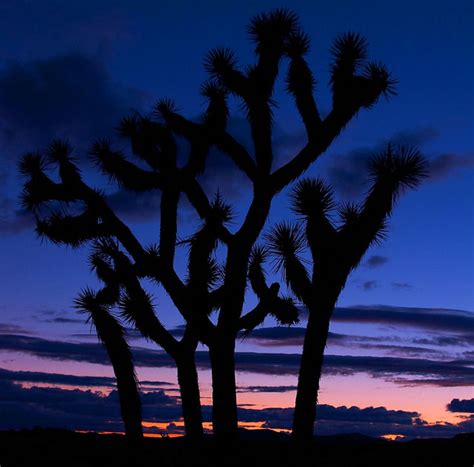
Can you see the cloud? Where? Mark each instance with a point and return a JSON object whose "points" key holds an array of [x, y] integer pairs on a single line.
{"points": [[369, 421], [435, 319], [287, 336], [294, 336], [445, 164], [447, 327], [418, 429], [70, 95], [56, 408], [7, 328], [410, 370], [82, 352], [442, 373], [269, 389], [443, 341], [369, 285], [388, 349], [135, 206], [75, 409], [70, 380], [375, 261], [463, 405], [58, 317], [282, 417], [367, 415], [78, 409], [277, 336], [348, 172], [74, 96], [62, 320]]}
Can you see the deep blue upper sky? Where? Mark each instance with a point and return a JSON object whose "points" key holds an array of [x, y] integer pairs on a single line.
{"points": [[72, 69]]}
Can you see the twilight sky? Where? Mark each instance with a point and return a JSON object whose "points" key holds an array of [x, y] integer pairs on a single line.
{"points": [[400, 358]]}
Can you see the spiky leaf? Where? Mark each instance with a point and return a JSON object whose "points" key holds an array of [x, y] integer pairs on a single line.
{"points": [[312, 196]]}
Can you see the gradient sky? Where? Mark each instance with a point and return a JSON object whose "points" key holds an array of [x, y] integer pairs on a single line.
{"points": [[403, 334]]}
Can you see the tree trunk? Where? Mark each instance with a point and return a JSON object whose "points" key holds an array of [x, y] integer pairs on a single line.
{"points": [[224, 399], [190, 395], [310, 370], [130, 405]]}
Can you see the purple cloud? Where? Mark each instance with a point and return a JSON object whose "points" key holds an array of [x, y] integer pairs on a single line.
{"points": [[369, 285], [440, 372], [54, 407], [376, 261], [463, 405]]}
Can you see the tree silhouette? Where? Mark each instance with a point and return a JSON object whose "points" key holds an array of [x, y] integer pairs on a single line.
{"points": [[124, 291], [117, 270], [356, 84], [335, 251], [112, 334]]}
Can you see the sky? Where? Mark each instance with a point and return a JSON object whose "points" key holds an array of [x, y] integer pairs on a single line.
{"points": [[400, 357]]}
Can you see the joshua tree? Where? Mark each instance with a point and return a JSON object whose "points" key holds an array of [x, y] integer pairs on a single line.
{"points": [[355, 85], [124, 290], [98, 224], [335, 251], [112, 334]]}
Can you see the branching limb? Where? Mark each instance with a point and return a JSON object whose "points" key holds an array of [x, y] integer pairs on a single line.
{"points": [[392, 171], [285, 243], [72, 230], [351, 92], [198, 198], [203, 135], [283, 309], [300, 83], [203, 270], [312, 199], [77, 229], [221, 65], [270, 32], [125, 173], [152, 142]]}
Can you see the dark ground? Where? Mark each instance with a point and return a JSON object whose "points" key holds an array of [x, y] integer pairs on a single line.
{"points": [[63, 448]]}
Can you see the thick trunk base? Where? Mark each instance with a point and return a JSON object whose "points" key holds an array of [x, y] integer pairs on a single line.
{"points": [[309, 376], [224, 401], [190, 396]]}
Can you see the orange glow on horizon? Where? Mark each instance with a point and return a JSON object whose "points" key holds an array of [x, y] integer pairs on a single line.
{"points": [[393, 437], [180, 424], [359, 389]]}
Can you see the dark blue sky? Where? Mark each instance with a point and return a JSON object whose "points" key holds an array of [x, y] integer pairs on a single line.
{"points": [[72, 69]]}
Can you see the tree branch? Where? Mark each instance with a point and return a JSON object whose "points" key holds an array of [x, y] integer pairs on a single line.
{"points": [[198, 198], [300, 84], [168, 225], [283, 309], [124, 172], [195, 132], [137, 307], [323, 137]]}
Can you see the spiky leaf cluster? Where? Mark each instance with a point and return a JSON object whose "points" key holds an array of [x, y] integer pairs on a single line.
{"points": [[312, 197]]}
